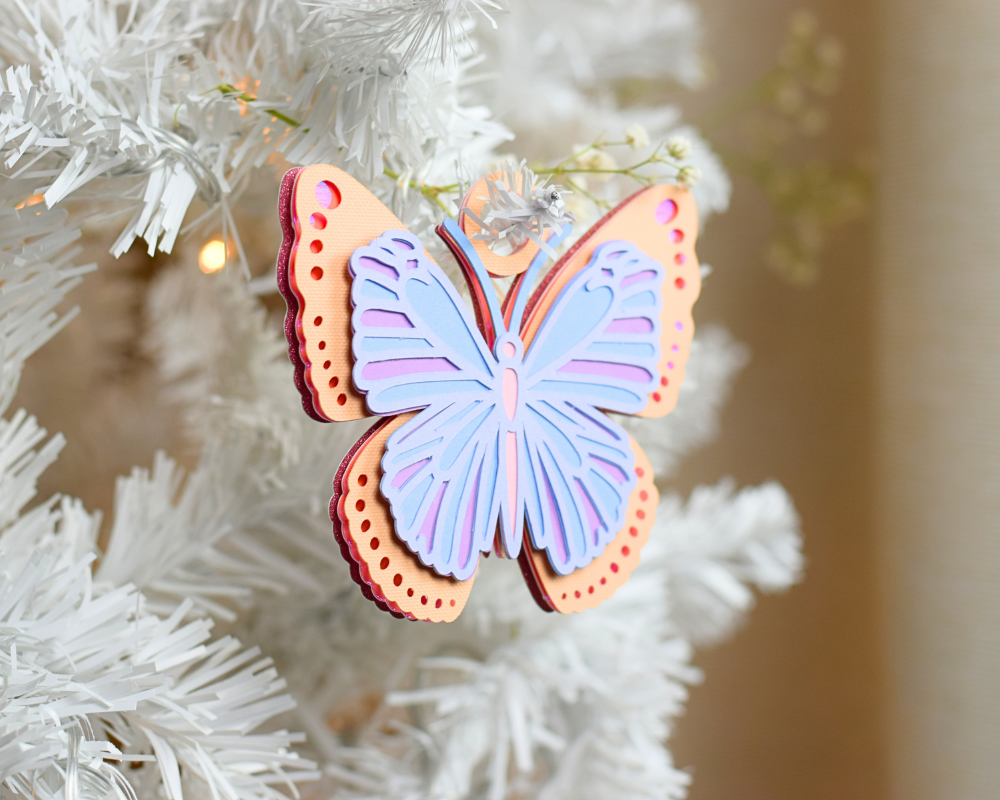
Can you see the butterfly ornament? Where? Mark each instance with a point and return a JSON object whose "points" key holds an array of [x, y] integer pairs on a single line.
{"points": [[492, 430]]}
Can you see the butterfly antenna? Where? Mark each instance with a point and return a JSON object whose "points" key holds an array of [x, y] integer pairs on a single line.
{"points": [[526, 279], [475, 263]]}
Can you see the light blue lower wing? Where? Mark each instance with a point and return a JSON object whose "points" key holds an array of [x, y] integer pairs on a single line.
{"points": [[415, 342], [440, 476], [580, 475]]}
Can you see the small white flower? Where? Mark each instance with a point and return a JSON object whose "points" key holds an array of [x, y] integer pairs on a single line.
{"points": [[637, 136], [803, 24], [600, 164], [688, 175], [595, 159], [813, 121], [678, 148], [830, 53]]}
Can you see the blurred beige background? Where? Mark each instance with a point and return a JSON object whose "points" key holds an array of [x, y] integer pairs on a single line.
{"points": [[871, 395], [792, 706]]}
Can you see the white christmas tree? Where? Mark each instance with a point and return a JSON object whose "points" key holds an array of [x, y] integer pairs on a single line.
{"points": [[149, 119]]}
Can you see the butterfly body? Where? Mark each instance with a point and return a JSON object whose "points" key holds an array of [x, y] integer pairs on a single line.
{"points": [[497, 435]]}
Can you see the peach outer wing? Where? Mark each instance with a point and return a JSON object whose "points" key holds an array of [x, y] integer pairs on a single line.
{"points": [[388, 573], [314, 278], [671, 242]]}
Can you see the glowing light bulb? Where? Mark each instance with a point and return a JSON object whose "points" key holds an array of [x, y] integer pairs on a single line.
{"points": [[34, 200], [212, 257]]}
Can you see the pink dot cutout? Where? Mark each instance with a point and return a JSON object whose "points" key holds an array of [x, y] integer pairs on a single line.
{"points": [[327, 194], [666, 211]]}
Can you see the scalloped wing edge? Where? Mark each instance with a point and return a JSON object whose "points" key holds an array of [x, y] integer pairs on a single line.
{"points": [[590, 586], [387, 572]]}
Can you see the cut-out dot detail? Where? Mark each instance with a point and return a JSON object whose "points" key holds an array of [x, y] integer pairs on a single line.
{"points": [[317, 220], [362, 480], [315, 245], [670, 365], [676, 236], [614, 567], [625, 550], [680, 258], [409, 592], [322, 345], [366, 525], [341, 399], [666, 211], [453, 603], [334, 381], [437, 604], [423, 599], [326, 365], [384, 563], [640, 514], [679, 325], [327, 194], [360, 505], [590, 590], [644, 495], [397, 579], [318, 321], [664, 382], [679, 283], [639, 471], [564, 596], [656, 397], [317, 273], [603, 581], [675, 348], [374, 543], [633, 531], [577, 594]]}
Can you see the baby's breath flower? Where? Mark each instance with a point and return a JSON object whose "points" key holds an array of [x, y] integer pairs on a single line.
{"points": [[803, 24], [678, 148], [830, 53], [637, 136], [789, 97], [596, 159], [688, 175], [813, 121]]}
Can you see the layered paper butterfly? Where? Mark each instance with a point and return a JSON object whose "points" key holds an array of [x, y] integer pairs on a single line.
{"points": [[493, 432]]}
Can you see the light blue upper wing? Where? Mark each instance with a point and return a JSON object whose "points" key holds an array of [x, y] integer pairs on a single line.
{"points": [[415, 342], [600, 341], [416, 346], [598, 348]]}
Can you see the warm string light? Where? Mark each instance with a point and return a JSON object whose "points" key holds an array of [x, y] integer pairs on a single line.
{"points": [[212, 257], [34, 200]]}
